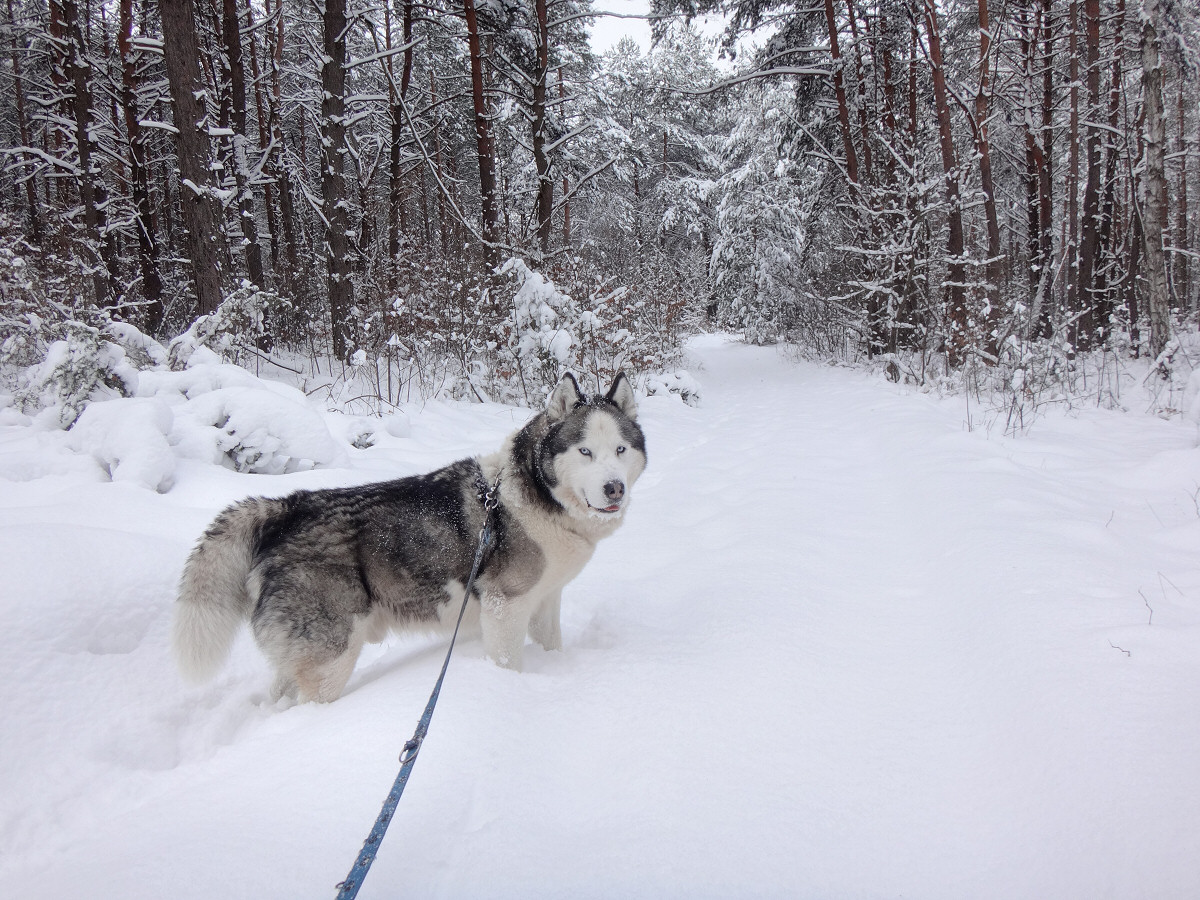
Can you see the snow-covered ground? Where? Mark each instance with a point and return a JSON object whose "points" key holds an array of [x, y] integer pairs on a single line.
{"points": [[842, 647]]}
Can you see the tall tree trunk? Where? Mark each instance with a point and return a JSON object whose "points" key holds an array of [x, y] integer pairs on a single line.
{"points": [[1107, 253], [545, 190], [199, 205], [959, 338], [1179, 237], [1131, 293], [1072, 242], [152, 287], [443, 225], [293, 277], [1046, 173], [484, 145], [60, 80], [1089, 327], [566, 183], [889, 104], [861, 78], [1154, 182], [839, 89], [264, 141], [995, 263], [334, 199], [92, 193], [396, 121], [232, 26], [1034, 160], [35, 226]]}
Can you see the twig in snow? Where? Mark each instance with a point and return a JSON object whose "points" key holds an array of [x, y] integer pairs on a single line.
{"points": [[1148, 606], [1161, 579], [267, 358], [1122, 649]]}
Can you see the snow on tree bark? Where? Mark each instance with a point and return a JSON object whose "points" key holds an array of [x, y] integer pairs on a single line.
{"points": [[199, 203]]}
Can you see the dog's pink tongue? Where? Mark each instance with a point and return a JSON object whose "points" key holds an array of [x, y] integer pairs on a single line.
{"points": [[612, 508]]}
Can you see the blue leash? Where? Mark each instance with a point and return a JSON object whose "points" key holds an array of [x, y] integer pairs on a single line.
{"points": [[348, 889]]}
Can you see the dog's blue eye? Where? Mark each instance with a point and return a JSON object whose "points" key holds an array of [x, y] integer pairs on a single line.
{"points": [[585, 451], [620, 450]]}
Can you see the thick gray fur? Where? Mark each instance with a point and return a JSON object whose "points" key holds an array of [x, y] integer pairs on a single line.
{"points": [[318, 573]]}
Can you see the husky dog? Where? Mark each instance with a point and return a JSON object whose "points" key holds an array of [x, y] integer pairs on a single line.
{"points": [[318, 573]]}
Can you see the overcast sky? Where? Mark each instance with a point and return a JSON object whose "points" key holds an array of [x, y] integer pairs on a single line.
{"points": [[608, 31]]}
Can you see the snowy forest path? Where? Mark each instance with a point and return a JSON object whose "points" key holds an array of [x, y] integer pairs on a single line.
{"points": [[912, 621]]}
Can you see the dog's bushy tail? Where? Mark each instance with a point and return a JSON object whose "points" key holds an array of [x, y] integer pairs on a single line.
{"points": [[214, 598]]}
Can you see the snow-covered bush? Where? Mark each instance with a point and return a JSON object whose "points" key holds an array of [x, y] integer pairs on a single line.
{"points": [[263, 431], [237, 322], [681, 383], [136, 407], [1173, 378], [128, 438], [549, 331], [543, 325], [76, 370], [21, 311]]}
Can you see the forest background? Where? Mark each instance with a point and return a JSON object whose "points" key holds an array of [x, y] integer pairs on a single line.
{"points": [[406, 199]]}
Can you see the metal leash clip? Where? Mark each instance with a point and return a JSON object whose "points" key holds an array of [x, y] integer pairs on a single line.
{"points": [[411, 749], [492, 498]]}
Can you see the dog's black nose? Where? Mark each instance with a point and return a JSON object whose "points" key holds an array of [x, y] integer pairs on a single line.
{"points": [[614, 490]]}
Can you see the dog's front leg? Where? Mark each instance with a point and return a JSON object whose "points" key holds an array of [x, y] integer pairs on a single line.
{"points": [[544, 625], [504, 623]]}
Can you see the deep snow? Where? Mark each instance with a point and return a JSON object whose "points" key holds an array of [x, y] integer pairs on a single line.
{"points": [[842, 647]]}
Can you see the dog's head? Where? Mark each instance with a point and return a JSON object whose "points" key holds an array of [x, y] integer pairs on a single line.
{"points": [[594, 449]]}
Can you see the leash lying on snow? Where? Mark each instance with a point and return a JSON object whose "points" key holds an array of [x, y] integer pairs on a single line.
{"points": [[348, 889]]}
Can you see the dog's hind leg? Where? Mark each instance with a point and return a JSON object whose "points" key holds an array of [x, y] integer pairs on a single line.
{"points": [[323, 678], [544, 625], [282, 686], [324, 682], [313, 658]]}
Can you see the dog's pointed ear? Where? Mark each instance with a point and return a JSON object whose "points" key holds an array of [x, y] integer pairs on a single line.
{"points": [[621, 393], [564, 398]]}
